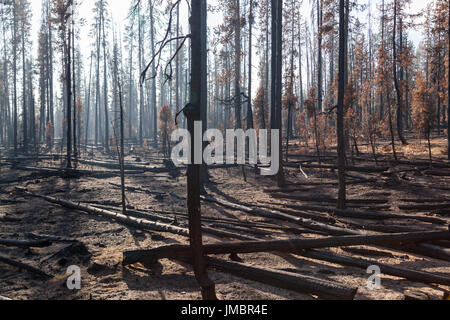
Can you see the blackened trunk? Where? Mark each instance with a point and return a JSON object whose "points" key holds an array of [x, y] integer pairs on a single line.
{"points": [[194, 170], [340, 110], [396, 82]]}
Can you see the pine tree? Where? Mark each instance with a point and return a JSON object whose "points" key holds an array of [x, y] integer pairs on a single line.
{"points": [[424, 111]]}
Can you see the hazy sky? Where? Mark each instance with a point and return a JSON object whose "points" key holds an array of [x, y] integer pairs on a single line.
{"points": [[120, 8]]}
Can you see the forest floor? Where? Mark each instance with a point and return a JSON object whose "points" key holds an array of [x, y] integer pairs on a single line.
{"points": [[100, 242]]}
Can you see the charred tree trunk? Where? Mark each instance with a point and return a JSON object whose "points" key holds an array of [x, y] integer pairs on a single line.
{"points": [[276, 91], [340, 110], [396, 82], [194, 170]]}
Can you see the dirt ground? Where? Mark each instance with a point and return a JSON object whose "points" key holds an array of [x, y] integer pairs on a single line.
{"points": [[101, 242]]}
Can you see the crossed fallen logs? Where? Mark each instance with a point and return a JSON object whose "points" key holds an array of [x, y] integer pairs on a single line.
{"points": [[411, 241], [287, 246], [303, 247]]}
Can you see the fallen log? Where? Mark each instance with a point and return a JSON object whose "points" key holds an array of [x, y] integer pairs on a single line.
{"points": [[2, 298], [263, 212], [116, 166], [413, 275], [289, 246], [371, 215], [74, 173], [313, 225], [31, 235], [6, 218], [367, 169], [425, 200], [134, 222], [131, 221], [437, 173], [139, 214], [424, 207], [240, 229], [434, 250], [134, 189], [442, 212], [24, 266], [25, 244], [157, 217], [324, 289], [328, 200]]}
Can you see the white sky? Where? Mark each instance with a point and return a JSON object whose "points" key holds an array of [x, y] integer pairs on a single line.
{"points": [[119, 11]]}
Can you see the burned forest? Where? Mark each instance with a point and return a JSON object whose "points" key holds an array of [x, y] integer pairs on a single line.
{"points": [[224, 150]]}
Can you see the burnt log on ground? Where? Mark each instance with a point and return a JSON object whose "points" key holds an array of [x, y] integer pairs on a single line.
{"points": [[424, 207], [370, 215], [132, 221], [25, 266], [134, 189], [132, 167], [138, 214], [289, 246], [442, 212], [7, 218], [34, 236], [409, 274], [438, 173], [25, 244], [425, 200], [333, 184], [321, 227], [328, 199], [308, 218], [367, 169], [156, 215], [126, 220], [324, 289], [74, 173]]}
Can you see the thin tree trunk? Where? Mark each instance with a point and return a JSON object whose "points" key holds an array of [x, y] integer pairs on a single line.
{"points": [[237, 65], [340, 111], [194, 170], [396, 82], [105, 83], [448, 86], [69, 100], [276, 122], [250, 124]]}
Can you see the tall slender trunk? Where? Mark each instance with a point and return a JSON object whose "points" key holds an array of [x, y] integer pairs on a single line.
{"points": [[300, 66], [250, 124], [105, 83], [75, 149], [24, 95], [396, 82], [194, 170], [277, 21], [237, 64], [340, 111], [448, 84], [130, 88], [141, 88], [51, 93], [15, 75], [69, 100], [88, 106], [319, 62], [97, 93]]}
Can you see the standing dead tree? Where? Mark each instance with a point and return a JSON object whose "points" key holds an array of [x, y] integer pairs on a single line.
{"points": [[194, 113]]}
